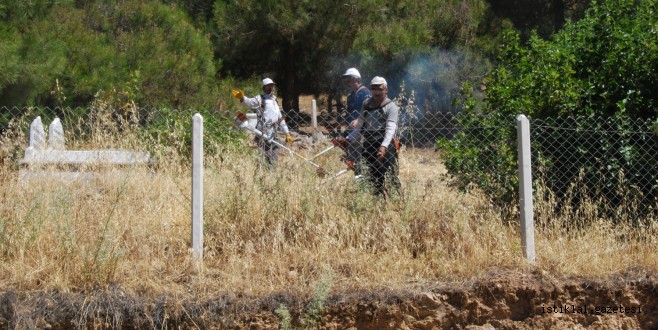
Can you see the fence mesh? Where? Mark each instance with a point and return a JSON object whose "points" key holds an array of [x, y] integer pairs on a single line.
{"points": [[603, 166]]}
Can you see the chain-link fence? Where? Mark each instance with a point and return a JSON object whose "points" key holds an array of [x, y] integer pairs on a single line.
{"points": [[113, 127], [312, 131], [371, 143], [417, 128], [605, 167], [582, 167]]}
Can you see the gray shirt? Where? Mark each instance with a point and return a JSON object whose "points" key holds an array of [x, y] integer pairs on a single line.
{"points": [[377, 123]]}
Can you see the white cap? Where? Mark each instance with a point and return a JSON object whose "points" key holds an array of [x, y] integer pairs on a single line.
{"points": [[267, 81], [378, 81], [352, 72]]}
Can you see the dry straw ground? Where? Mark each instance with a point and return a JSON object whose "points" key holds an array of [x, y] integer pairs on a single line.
{"points": [[268, 233]]}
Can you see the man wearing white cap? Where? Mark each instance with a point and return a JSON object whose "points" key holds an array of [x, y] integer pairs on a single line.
{"points": [[270, 119], [377, 123], [358, 94]]}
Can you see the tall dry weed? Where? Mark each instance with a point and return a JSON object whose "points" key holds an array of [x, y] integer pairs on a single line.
{"points": [[278, 231]]}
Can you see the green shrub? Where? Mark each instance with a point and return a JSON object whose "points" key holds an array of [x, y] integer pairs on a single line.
{"points": [[604, 66]]}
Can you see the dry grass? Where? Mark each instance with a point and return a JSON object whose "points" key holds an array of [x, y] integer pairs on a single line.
{"points": [[271, 232]]}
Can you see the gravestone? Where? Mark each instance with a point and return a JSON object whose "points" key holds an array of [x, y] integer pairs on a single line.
{"points": [[56, 135], [50, 159], [37, 135]]}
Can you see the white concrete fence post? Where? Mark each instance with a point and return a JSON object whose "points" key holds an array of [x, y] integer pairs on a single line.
{"points": [[525, 188], [314, 120], [197, 187]]}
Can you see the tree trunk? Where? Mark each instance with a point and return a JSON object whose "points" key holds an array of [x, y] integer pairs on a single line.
{"points": [[288, 91], [337, 118], [558, 14]]}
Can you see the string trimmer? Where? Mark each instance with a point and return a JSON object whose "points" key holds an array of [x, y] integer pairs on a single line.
{"points": [[241, 121]]}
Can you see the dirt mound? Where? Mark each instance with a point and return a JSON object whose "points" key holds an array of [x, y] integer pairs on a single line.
{"points": [[501, 301], [511, 301]]}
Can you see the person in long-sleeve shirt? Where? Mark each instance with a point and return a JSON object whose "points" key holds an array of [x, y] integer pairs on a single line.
{"points": [[358, 94], [377, 123], [270, 120]]}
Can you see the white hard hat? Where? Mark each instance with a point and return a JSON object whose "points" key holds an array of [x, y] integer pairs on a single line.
{"points": [[352, 72], [378, 81], [267, 81]]}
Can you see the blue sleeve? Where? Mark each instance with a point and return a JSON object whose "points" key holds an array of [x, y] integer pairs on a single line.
{"points": [[362, 95], [356, 104]]}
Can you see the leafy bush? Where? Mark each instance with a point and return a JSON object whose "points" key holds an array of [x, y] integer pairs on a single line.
{"points": [[603, 66], [172, 129], [483, 155]]}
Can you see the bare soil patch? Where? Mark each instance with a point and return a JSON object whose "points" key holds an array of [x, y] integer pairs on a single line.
{"points": [[500, 300]]}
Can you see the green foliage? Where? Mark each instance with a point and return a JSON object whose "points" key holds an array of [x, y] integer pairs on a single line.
{"points": [[100, 45], [483, 155], [175, 61], [430, 46], [543, 16], [291, 40], [309, 44], [285, 320], [604, 65], [171, 129], [313, 312], [35, 58], [589, 67], [97, 45], [21, 11], [394, 27], [315, 308], [10, 66], [93, 62]]}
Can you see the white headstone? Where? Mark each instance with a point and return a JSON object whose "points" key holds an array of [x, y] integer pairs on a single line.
{"points": [[37, 135], [56, 135]]}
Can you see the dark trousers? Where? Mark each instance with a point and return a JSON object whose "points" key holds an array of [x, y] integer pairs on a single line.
{"points": [[353, 153], [269, 153], [379, 171]]}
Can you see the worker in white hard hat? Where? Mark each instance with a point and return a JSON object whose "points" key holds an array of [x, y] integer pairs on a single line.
{"points": [[270, 119], [357, 95], [377, 124]]}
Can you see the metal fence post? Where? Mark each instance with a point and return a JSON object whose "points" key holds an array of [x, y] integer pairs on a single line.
{"points": [[197, 187], [525, 188]]}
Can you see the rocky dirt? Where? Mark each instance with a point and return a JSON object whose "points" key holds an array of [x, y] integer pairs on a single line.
{"points": [[503, 300]]}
